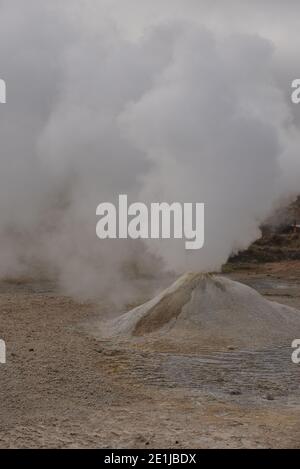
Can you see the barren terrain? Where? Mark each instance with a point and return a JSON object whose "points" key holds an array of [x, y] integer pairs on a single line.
{"points": [[63, 386]]}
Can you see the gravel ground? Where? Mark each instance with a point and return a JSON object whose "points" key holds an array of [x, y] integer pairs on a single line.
{"points": [[63, 386]]}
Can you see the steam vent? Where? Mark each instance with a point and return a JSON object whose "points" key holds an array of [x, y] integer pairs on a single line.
{"points": [[211, 308]]}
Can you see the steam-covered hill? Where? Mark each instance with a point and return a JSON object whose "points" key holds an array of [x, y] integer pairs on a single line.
{"points": [[280, 238]]}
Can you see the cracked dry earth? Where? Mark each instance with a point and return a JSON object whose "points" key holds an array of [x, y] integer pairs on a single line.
{"points": [[64, 387]]}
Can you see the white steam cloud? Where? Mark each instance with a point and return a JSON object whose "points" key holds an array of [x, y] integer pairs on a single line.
{"points": [[157, 105]]}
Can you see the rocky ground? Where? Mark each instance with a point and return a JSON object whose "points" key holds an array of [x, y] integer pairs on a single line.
{"points": [[63, 386]]}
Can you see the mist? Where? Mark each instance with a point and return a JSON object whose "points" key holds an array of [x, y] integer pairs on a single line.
{"points": [[170, 103]]}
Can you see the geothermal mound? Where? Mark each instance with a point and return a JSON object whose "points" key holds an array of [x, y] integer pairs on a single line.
{"points": [[204, 306]]}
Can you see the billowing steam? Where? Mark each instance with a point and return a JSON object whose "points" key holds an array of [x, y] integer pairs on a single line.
{"points": [[162, 108]]}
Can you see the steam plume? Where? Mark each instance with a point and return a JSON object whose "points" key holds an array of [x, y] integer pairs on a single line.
{"points": [[162, 108]]}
